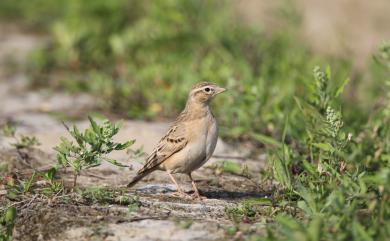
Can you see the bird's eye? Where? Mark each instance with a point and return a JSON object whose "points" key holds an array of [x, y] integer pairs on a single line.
{"points": [[207, 89]]}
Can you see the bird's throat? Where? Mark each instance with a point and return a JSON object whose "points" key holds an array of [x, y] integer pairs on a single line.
{"points": [[195, 110]]}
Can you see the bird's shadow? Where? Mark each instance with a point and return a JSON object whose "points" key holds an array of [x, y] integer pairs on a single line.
{"points": [[210, 194], [231, 195]]}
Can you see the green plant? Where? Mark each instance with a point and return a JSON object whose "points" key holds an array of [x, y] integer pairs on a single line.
{"points": [[98, 195], [293, 230], [133, 205], [185, 223], [16, 188], [110, 196], [54, 186], [383, 56], [26, 185], [232, 168], [231, 230], [327, 179], [91, 147], [251, 210], [245, 211], [7, 223], [21, 141]]}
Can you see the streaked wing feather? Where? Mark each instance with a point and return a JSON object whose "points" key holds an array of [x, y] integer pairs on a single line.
{"points": [[171, 143]]}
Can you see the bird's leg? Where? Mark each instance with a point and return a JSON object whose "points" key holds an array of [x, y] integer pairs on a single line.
{"points": [[179, 190], [196, 191]]}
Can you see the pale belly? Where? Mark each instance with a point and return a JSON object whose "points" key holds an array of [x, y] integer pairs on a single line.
{"points": [[196, 153]]}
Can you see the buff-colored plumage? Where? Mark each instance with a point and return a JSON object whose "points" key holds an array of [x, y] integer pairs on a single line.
{"points": [[191, 140]]}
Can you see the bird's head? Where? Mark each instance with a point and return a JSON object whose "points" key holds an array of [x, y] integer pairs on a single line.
{"points": [[204, 92]]}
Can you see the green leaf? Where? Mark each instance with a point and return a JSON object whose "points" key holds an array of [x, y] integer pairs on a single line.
{"points": [[65, 146], [123, 146], [259, 201], [288, 223], [310, 200], [78, 136], [303, 205], [91, 137], [310, 168], [10, 215], [328, 72], [285, 130], [94, 125], [324, 146], [359, 233], [341, 88], [314, 229], [281, 172], [61, 158], [93, 164], [266, 140], [9, 130], [116, 163], [27, 185], [49, 175], [232, 167]]}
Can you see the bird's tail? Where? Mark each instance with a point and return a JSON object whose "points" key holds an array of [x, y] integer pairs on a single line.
{"points": [[139, 176]]}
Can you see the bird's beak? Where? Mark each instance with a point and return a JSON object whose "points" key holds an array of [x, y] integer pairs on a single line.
{"points": [[220, 90]]}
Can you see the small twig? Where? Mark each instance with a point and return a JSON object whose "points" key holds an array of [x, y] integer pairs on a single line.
{"points": [[31, 200], [20, 202], [75, 179]]}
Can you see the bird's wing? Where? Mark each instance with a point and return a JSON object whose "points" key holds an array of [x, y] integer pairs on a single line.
{"points": [[174, 141]]}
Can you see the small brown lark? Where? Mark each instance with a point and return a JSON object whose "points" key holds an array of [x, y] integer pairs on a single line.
{"points": [[191, 140]]}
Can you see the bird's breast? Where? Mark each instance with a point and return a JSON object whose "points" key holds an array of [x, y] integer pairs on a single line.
{"points": [[204, 143], [202, 139]]}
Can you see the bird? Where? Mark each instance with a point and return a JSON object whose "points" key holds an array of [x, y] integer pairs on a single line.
{"points": [[189, 142]]}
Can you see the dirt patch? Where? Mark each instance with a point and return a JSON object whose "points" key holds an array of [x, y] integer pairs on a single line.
{"points": [[44, 221], [24, 160], [102, 209]]}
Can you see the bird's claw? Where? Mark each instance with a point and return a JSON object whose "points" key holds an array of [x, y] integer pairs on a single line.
{"points": [[181, 194], [197, 196], [194, 196]]}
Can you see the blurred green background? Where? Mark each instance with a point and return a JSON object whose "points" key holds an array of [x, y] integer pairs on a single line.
{"points": [[141, 57]]}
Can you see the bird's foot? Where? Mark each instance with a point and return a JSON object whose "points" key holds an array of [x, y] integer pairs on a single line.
{"points": [[180, 194], [197, 196]]}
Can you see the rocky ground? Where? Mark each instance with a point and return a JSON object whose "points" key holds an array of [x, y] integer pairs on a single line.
{"points": [[157, 214]]}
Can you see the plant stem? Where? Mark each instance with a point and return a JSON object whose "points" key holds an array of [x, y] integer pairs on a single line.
{"points": [[75, 179]]}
